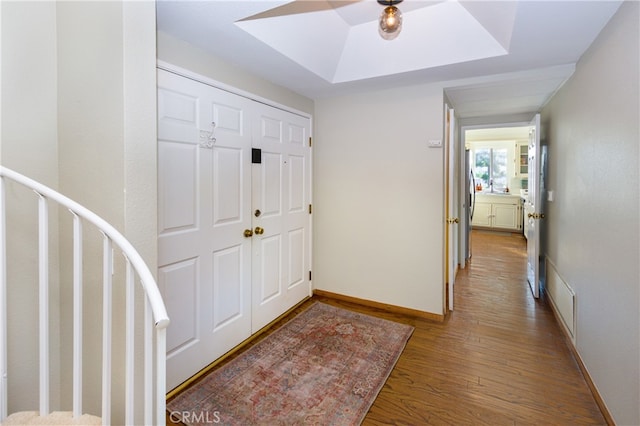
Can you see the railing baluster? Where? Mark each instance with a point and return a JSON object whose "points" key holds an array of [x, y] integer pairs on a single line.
{"points": [[3, 304], [77, 315], [161, 374], [43, 272], [148, 364], [107, 302], [130, 346], [155, 315]]}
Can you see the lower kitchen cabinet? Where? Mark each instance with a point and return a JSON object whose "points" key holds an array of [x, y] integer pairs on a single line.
{"points": [[482, 214], [497, 211]]}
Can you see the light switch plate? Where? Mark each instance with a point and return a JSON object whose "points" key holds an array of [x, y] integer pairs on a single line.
{"points": [[435, 143]]}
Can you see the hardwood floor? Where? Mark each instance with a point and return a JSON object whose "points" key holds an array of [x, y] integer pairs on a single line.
{"points": [[499, 358]]}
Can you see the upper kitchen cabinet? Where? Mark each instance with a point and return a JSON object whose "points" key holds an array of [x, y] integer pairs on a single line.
{"points": [[522, 160]]}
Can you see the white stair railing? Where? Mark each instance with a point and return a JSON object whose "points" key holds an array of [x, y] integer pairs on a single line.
{"points": [[155, 315]]}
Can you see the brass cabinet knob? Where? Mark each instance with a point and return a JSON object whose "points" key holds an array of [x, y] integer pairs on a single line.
{"points": [[248, 233], [259, 231]]}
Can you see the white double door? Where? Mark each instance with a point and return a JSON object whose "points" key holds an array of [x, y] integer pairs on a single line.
{"points": [[234, 224]]}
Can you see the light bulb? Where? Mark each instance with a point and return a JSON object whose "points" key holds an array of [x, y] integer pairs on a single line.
{"points": [[390, 23]]}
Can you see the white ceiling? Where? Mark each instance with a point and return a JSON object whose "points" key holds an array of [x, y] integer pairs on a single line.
{"points": [[497, 134], [497, 57]]}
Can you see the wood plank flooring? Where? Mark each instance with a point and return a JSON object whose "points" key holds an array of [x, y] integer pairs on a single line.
{"points": [[499, 358]]}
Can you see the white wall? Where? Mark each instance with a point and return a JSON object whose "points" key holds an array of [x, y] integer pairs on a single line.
{"points": [[107, 128], [184, 55], [140, 128], [378, 192], [91, 155], [28, 145], [78, 114], [592, 129]]}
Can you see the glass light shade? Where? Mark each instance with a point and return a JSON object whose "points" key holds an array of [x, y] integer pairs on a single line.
{"points": [[390, 23]]}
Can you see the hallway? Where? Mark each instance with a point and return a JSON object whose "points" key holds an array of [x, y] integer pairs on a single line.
{"points": [[499, 359]]}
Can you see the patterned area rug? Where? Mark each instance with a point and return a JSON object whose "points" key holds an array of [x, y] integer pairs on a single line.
{"points": [[325, 366]]}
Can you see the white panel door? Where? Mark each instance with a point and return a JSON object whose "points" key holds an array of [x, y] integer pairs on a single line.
{"points": [[451, 212], [204, 187], [534, 208], [281, 196]]}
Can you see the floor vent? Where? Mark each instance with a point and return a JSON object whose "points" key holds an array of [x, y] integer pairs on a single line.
{"points": [[563, 299]]}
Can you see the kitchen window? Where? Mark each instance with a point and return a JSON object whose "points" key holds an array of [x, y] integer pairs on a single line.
{"points": [[490, 168]]}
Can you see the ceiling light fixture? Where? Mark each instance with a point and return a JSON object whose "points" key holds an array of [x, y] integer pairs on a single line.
{"points": [[390, 20]]}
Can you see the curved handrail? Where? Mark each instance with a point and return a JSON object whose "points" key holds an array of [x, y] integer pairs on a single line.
{"points": [[160, 316]]}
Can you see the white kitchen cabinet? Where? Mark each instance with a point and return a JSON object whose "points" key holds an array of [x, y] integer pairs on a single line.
{"points": [[482, 214], [522, 160], [498, 211]]}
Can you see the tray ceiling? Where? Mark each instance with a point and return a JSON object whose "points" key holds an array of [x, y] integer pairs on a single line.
{"points": [[325, 48]]}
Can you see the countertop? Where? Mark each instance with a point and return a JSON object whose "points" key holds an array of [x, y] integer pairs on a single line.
{"points": [[498, 194], [498, 197]]}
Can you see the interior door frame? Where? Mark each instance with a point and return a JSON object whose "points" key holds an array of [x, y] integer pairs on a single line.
{"points": [[462, 128]]}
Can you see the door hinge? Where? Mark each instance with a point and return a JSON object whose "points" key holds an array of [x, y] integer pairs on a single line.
{"points": [[310, 209], [309, 275], [309, 140]]}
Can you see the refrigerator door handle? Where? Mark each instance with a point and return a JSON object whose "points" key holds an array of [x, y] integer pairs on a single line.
{"points": [[472, 195]]}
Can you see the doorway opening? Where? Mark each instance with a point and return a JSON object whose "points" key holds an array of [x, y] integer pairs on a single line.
{"points": [[495, 181]]}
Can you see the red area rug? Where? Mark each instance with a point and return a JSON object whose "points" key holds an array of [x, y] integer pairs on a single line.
{"points": [[325, 366]]}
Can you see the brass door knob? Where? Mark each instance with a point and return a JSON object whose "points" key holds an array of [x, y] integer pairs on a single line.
{"points": [[248, 233], [259, 231]]}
